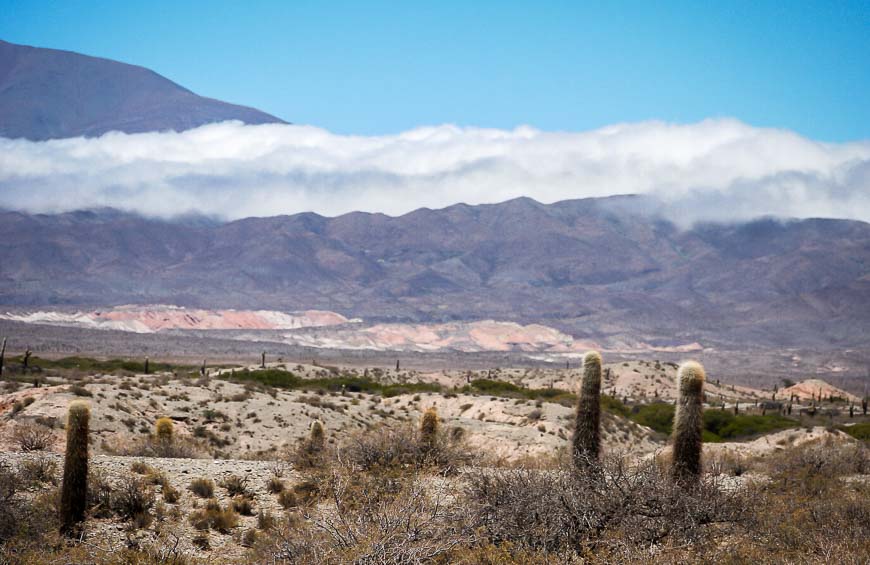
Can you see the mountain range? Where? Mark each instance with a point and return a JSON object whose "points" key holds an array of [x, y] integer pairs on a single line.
{"points": [[48, 93], [597, 268], [607, 270]]}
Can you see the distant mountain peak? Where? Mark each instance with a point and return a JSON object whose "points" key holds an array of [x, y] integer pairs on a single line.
{"points": [[49, 93]]}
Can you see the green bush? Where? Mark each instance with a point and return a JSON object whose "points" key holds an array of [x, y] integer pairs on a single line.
{"points": [[287, 380], [614, 406], [719, 425], [858, 431], [509, 390], [90, 364], [723, 425], [659, 416]]}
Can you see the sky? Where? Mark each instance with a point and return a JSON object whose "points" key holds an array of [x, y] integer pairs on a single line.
{"points": [[375, 68], [720, 111]]}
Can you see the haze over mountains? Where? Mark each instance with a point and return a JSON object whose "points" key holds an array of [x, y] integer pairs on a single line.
{"points": [[590, 267], [48, 93]]}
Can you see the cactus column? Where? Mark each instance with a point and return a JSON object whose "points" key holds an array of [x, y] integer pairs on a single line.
{"points": [[74, 491], [688, 421], [2, 356], [586, 442]]}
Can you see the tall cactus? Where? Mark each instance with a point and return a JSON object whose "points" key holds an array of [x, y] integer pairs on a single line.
{"points": [[74, 491], [2, 356], [688, 421], [586, 442]]}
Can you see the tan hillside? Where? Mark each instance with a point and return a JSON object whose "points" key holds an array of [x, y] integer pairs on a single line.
{"points": [[813, 388]]}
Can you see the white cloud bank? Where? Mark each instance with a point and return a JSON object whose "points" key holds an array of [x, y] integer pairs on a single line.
{"points": [[713, 170]]}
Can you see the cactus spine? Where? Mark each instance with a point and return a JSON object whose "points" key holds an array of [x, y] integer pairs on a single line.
{"points": [[688, 422], [165, 429], [586, 442], [429, 430], [74, 491]]}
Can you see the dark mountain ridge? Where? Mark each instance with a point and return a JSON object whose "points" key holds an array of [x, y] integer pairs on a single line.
{"points": [[49, 93], [590, 267]]}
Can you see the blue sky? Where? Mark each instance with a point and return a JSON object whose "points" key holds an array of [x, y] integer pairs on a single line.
{"points": [[382, 67]]}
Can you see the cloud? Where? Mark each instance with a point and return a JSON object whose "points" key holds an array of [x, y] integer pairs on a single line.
{"points": [[717, 169]]}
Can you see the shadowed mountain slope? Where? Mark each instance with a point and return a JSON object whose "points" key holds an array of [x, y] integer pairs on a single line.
{"points": [[47, 93], [588, 267]]}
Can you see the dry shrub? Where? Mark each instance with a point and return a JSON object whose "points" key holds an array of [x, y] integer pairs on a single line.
{"points": [[214, 517], [176, 447], [275, 485], [170, 494], [369, 519], [249, 538], [727, 463], [243, 505], [79, 390], [133, 500], [25, 521], [201, 541], [287, 499], [811, 509], [140, 467], [32, 437], [40, 469], [265, 520], [202, 487], [399, 447], [810, 465], [236, 486], [100, 493], [571, 513]]}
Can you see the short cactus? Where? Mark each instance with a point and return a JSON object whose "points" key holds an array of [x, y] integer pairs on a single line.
{"points": [[429, 430], [165, 429], [586, 442], [74, 491], [688, 422], [316, 437]]}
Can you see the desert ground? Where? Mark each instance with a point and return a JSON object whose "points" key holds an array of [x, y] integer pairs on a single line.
{"points": [[243, 428]]}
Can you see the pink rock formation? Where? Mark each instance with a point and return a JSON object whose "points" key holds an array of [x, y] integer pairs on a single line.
{"points": [[148, 319]]}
